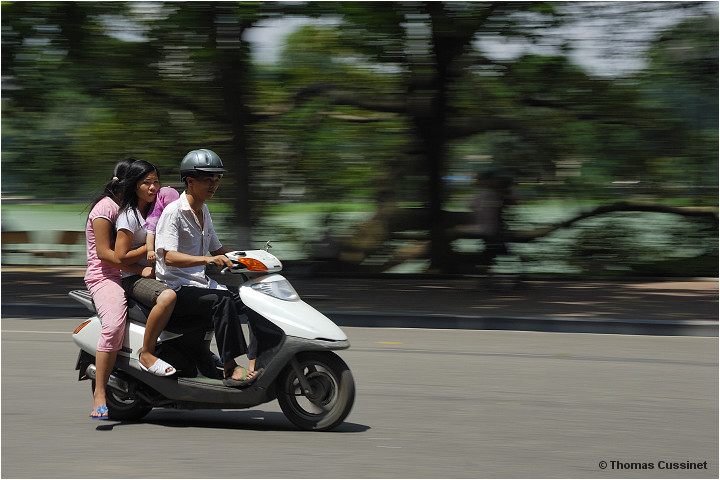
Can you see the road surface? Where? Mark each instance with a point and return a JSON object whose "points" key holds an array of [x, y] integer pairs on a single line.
{"points": [[430, 404]]}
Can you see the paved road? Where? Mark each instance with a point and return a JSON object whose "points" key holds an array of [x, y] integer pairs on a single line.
{"points": [[430, 404]]}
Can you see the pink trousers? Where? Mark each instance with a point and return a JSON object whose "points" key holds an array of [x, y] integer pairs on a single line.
{"points": [[111, 304]]}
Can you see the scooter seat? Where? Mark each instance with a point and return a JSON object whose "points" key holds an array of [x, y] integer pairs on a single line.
{"points": [[136, 311]]}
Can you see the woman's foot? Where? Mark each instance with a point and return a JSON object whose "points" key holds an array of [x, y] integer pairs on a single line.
{"points": [[100, 410], [99, 413], [155, 365]]}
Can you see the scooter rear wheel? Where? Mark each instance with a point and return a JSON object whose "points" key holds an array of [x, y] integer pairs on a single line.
{"points": [[122, 406], [332, 391]]}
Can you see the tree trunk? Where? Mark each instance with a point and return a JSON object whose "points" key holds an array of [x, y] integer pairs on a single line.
{"points": [[233, 60]]}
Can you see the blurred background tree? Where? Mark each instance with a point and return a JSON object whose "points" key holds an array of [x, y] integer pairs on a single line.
{"points": [[399, 104]]}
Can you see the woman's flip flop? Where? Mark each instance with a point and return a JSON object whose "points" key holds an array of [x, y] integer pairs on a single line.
{"points": [[102, 413], [159, 368]]}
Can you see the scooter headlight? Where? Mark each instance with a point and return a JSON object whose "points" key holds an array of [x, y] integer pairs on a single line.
{"points": [[280, 289]]}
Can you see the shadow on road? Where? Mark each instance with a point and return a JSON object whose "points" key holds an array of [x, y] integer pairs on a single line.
{"points": [[256, 420]]}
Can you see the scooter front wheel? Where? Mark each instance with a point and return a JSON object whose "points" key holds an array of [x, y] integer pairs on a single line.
{"points": [[331, 391]]}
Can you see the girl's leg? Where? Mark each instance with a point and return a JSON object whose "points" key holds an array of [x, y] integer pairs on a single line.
{"points": [[156, 322], [104, 362], [109, 298]]}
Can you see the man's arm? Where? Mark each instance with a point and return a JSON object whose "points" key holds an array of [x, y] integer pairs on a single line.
{"points": [[221, 251], [183, 260]]}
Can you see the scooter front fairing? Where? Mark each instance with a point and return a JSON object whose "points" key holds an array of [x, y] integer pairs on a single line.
{"points": [[274, 297]]}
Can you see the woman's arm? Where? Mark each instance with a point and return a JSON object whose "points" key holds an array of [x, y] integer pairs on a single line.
{"points": [[102, 228], [145, 272], [150, 244], [123, 242]]}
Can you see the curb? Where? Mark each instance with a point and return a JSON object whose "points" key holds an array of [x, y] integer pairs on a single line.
{"points": [[699, 328]]}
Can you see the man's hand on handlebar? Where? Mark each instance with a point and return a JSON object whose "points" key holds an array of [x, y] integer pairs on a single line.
{"points": [[220, 261]]}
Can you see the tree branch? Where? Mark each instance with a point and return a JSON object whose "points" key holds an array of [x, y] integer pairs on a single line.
{"points": [[696, 212]]}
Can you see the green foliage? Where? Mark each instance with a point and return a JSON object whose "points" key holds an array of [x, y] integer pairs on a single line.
{"points": [[645, 244], [379, 100]]}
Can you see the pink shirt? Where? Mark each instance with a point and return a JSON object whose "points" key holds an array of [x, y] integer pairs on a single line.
{"points": [[97, 269], [165, 196]]}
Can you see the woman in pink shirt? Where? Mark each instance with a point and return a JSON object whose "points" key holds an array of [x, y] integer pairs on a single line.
{"points": [[103, 280]]}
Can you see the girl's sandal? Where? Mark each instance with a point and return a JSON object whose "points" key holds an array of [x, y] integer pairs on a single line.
{"points": [[101, 411]]}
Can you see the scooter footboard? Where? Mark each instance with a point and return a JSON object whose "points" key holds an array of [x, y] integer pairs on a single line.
{"points": [[185, 392], [198, 391]]}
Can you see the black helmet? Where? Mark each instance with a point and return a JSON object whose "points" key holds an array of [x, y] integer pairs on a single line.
{"points": [[202, 160]]}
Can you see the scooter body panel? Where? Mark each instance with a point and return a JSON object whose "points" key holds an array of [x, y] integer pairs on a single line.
{"points": [[295, 317], [88, 337]]}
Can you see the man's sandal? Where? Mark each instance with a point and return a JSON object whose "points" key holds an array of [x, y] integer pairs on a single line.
{"points": [[246, 379]]}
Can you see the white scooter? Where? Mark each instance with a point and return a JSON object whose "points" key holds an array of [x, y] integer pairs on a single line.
{"points": [[313, 385]]}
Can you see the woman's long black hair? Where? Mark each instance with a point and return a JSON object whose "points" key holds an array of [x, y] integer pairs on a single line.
{"points": [[137, 171], [114, 188]]}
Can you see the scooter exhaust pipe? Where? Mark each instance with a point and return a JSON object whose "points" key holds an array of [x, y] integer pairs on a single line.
{"points": [[113, 381]]}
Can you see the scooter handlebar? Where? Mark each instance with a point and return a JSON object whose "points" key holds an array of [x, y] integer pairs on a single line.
{"points": [[234, 269]]}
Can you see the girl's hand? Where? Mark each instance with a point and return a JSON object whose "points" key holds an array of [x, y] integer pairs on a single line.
{"points": [[151, 256]]}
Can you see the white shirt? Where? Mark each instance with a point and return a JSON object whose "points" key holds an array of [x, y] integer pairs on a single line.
{"points": [[132, 221], [178, 230]]}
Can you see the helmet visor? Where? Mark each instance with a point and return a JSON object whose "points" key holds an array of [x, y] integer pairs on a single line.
{"points": [[210, 169]]}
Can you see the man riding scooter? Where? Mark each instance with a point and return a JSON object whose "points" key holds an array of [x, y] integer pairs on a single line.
{"points": [[184, 236]]}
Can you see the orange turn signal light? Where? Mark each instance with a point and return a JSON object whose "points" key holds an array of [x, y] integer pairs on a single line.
{"points": [[253, 265], [81, 326]]}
